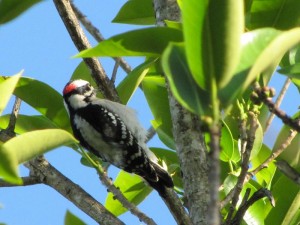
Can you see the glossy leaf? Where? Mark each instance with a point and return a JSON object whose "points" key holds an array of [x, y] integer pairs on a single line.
{"points": [[292, 71], [7, 86], [255, 213], [28, 145], [265, 176], [71, 219], [291, 154], [130, 83], [139, 12], [44, 99], [280, 14], [193, 15], [228, 151], [223, 28], [133, 188], [181, 81], [253, 44], [157, 98], [27, 123], [10, 9], [287, 196], [143, 42]]}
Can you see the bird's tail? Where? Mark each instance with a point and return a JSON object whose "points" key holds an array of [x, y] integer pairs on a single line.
{"points": [[164, 180]]}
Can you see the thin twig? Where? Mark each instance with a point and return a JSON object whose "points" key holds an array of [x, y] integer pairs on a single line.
{"points": [[27, 181], [114, 73], [244, 167], [150, 133], [81, 42], [263, 97], [47, 174], [9, 132], [278, 102], [288, 171], [261, 193], [97, 35], [117, 193], [275, 153]]}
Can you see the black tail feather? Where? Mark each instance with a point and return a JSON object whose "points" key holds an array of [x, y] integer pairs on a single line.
{"points": [[164, 180]]}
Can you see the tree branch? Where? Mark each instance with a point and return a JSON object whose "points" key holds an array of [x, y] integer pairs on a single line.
{"points": [[261, 193], [47, 174], [79, 39], [9, 132], [116, 192], [278, 102], [263, 95], [97, 35], [26, 182], [288, 171], [246, 156], [190, 145]]}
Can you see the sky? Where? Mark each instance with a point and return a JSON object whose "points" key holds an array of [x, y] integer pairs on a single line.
{"points": [[38, 42]]}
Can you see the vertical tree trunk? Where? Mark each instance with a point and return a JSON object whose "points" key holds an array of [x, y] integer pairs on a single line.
{"points": [[189, 140]]}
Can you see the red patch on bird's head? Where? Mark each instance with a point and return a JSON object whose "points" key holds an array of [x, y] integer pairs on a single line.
{"points": [[69, 88]]}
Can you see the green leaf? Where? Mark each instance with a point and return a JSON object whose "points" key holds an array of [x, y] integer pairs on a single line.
{"points": [[7, 86], [181, 81], [262, 51], [287, 196], [27, 123], [138, 12], [292, 71], [265, 176], [280, 14], [255, 213], [44, 99], [10, 9], [143, 42], [259, 137], [226, 20], [133, 188], [193, 15], [291, 154], [157, 98], [227, 144], [28, 145], [253, 44], [131, 82], [71, 219]]}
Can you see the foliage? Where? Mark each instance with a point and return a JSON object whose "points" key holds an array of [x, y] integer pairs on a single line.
{"points": [[211, 60]]}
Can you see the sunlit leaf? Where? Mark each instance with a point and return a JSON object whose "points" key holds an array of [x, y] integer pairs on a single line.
{"points": [[28, 145], [7, 86], [280, 14], [44, 99], [287, 196], [157, 98], [27, 123], [133, 188], [193, 15], [136, 12], [181, 81], [143, 42], [131, 82], [291, 154]]}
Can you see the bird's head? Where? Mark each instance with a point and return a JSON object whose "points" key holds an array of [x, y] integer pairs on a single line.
{"points": [[77, 94]]}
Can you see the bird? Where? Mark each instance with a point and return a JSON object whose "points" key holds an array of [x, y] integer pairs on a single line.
{"points": [[112, 132]]}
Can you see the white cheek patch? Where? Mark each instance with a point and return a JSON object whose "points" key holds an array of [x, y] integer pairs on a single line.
{"points": [[77, 101]]}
